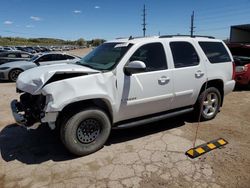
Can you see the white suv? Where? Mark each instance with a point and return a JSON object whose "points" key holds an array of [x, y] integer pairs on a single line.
{"points": [[123, 83]]}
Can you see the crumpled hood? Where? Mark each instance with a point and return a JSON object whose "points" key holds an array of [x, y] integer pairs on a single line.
{"points": [[33, 80]]}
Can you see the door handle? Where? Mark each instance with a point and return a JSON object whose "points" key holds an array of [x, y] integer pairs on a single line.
{"points": [[163, 80], [199, 74]]}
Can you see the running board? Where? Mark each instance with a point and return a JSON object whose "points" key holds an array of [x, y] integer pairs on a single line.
{"points": [[147, 120]]}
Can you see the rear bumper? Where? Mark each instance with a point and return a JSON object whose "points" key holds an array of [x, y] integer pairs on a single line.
{"points": [[229, 87], [242, 79]]}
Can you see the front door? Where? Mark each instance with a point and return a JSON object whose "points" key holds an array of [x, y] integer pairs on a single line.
{"points": [[151, 91]]}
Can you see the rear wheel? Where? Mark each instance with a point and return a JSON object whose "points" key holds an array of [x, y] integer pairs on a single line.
{"points": [[86, 131], [208, 104], [13, 74]]}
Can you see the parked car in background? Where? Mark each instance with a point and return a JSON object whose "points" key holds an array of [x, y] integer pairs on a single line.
{"points": [[11, 70], [7, 48], [241, 55], [10, 56], [1, 50]]}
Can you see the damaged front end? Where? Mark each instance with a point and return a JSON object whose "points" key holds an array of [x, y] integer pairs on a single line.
{"points": [[29, 110]]}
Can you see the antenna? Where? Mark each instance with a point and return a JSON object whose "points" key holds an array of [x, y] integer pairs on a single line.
{"points": [[192, 25], [144, 21]]}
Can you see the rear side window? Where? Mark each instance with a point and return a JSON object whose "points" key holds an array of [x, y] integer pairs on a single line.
{"points": [[65, 57], [48, 57], [184, 54], [215, 52]]}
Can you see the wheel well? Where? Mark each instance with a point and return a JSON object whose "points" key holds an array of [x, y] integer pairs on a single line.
{"points": [[72, 108], [13, 70], [217, 84]]}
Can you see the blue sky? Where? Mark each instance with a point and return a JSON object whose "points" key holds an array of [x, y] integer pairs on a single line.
{"points": [[108, 19]]}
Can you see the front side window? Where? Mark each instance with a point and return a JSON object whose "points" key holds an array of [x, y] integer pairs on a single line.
{"points": [[215, 52], [184, 54], [153, 55], [106, 56]]}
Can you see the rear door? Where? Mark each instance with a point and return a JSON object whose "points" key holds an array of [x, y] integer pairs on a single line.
{"points": [[189, 73]]}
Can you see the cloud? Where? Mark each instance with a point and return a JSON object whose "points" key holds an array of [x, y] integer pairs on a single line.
{"points": [[35, 18], [7, 22], [77, 11], [97, 7], [29, 26]]}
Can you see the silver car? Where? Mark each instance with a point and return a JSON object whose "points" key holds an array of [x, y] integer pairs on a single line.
{"points": [[10, 71]]}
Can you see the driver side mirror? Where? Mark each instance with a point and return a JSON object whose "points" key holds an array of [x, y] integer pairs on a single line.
{"points": [[134, 67]]}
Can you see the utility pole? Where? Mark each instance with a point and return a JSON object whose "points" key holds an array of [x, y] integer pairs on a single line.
{"points": [[192, 25], [144, 21]]}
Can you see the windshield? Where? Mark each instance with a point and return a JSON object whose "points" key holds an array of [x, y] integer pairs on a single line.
{"points": [[106, 56], [240, 51]]}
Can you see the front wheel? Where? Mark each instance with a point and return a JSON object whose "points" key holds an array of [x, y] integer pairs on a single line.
{"points": [[208, 104], [13, 74], [86, 131]]}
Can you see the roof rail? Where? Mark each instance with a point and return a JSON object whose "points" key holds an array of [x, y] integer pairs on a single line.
{"points": [[170, 36]]}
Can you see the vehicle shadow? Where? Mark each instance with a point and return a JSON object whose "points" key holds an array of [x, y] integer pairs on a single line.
{"points": [[31, 146], [239, 88], [42, 144], [5, 81], [123, 135]]}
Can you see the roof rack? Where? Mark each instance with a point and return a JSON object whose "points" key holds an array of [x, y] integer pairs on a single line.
{"points": [[170, 36]]}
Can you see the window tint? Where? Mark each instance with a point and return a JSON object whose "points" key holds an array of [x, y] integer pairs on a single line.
{"points": [[215, 52], [153, 55], [184, 54], [46, 58], [68, 57], [58, 57]]}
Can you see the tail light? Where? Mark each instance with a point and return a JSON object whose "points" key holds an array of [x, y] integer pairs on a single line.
{"points": [[241, 68], [233, 75]]}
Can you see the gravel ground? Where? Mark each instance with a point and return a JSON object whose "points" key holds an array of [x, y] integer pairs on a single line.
{"points": [[147, 156]]}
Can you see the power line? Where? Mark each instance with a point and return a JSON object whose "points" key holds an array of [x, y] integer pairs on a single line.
{"points": [[144, 21], [192, 25]]}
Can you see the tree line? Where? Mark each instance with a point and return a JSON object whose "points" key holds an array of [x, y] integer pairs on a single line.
{"points": [[19, 41]]}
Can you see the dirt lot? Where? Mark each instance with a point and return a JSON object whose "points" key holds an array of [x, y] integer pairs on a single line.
{"points": [[147, 156]]}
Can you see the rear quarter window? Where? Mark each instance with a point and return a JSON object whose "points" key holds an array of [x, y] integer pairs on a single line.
{"points": [[215, 52]]}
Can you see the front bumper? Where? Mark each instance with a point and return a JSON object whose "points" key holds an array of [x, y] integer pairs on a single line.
{"points": [[19, 118], [3, 75], [24, 120]]}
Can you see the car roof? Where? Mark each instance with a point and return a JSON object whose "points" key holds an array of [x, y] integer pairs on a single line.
{"points": [[14, 52], [164, 38]]}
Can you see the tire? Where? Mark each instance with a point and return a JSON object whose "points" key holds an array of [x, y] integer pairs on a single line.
{"points": [[208, 104], [85, 131], [13, 74]]}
